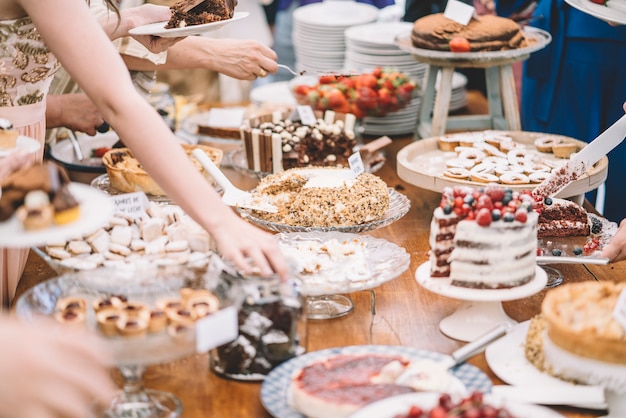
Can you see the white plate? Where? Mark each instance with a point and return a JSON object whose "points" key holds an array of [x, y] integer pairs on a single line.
{"points": [[274, 390], [600, 11], [335, 14], [96, 208], [23, 142], [507, 360], [158, 28], [377, 34], [384, 261], [62, 151], [391, 407]]}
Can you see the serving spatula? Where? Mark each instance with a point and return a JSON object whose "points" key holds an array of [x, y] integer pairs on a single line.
{"points": [[233, 196], [583, 160]]}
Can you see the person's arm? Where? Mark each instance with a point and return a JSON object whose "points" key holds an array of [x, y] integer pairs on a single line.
{"points": [[75, 37], [51, 372], [73, 111], [238, 58], [13, 162]]}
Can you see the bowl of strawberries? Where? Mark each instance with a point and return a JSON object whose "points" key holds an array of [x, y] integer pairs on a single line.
{"points": [[374, 93]]}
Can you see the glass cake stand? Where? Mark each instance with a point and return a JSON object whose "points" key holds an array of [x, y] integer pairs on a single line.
{"points": [[144, 284], [481, 309]]}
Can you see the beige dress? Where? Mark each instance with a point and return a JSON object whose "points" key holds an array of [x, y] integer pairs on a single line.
{"points": [[26, 71]]}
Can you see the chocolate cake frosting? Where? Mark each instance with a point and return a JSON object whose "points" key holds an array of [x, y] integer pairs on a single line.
{"points": [[206, 12], [489, 33]]}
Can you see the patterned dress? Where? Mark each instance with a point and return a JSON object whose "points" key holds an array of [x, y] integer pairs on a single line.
{"points": [[26, 71]]}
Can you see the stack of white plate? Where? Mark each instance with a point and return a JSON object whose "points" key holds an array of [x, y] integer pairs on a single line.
{"points": [[318, 33]]}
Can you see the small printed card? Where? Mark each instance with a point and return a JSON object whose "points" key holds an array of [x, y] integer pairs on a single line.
{"points": [[231, 117], [619, 313], [216, 329], [306, 114], [459, 12], [356, 164], [131, 204]]}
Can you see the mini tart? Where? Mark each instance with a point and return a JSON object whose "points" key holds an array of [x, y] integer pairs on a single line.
{"points": [[579, 319], [107, 320], [70, 316], [180, 316], [447, 143], [35, 219], [187, 293], [158, 320], [204, 305], [183, 332], [167, 304], [564, 150], [127, 175], [131, 326], [136, 310], [71, 303], [107, 302]]}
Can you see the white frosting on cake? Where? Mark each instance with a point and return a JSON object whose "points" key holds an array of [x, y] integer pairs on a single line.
{"points": [[611, 376]]}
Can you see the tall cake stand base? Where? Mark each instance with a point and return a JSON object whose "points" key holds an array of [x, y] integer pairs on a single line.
{"points": [[482, 309], [328, 306], [473, 319], [616, 403]]}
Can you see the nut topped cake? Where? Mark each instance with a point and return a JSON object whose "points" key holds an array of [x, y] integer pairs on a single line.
{"points": [[490, 33], [321, 197]]}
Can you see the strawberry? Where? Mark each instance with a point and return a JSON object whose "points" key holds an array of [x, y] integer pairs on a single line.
{"points": [[335, 98], [367, 99], [494, 192], [521, 215], [459, 44], [602, 2], [378, 72], [366, 80], [328, 79], [483, 217], [99, 152]]}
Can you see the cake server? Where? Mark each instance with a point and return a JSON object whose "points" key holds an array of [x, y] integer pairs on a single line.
{"points": [[475, 347], [233, 196], [552, 259], [590, 397], [583, 160]]}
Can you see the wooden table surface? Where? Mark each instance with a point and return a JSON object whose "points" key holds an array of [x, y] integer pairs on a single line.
{"points": [[405, 314]]}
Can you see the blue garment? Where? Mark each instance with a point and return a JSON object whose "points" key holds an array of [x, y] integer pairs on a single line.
{"points": [[576, 86]]}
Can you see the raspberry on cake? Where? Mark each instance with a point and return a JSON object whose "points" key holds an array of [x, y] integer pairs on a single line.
{"points": [[192, 12], [485, 238]]}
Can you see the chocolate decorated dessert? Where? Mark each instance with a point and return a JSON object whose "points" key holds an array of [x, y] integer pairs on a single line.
{"points": [[189, 12], [563, 218], [490, 33]]}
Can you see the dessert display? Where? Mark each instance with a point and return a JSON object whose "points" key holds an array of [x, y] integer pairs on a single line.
{"points": [[369, 94], [8, 135], [164, 235], [332, 387], [272, 329], [192, 12], [321, 197], [273, 142], [484, 238], [495, 157], [577, 338], [39, 196], [564, 218], [489, 33], [127, 175]]}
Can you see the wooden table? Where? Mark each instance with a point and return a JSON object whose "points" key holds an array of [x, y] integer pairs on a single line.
{"points": [[406, 314]]}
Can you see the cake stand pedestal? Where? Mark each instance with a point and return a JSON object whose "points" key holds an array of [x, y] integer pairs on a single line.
{"points": [[433, 117], [482, 309]]}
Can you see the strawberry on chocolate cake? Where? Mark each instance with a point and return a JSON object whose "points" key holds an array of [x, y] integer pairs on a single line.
{"points": [[489, 33], [189, 12]]}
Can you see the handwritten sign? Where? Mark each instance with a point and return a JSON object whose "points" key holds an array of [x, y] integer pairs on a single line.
{"points": [[356, 164], [459, 12], [619, 313], [216, 329], [131, 204]]}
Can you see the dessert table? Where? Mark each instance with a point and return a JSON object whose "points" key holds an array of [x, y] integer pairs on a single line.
{"points": [[404, 313]]}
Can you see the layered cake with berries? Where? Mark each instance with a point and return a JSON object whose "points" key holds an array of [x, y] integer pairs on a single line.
{"points": [[323, 196], [579, 338], [273, 143], [563, 218], [484, 238], [194, 12], [338, 385], [489, 33]]}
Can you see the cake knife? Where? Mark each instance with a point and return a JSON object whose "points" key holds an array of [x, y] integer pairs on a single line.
{"points": [[233, 196], [583, 160]]}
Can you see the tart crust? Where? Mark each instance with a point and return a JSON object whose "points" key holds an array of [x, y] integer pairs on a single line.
{"points": [[127, 175], [579, 320]]}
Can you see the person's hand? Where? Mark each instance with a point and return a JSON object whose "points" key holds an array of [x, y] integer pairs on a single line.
{"points": [[615, 250], [14, 161], [73, 111], [485, 7], [249, 247], [624, 106], [244, 59], [51, 371]]}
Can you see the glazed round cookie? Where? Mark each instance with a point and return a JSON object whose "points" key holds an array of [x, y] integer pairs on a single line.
{"points": [[457, 173], [514, 178], [484, 178]]}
